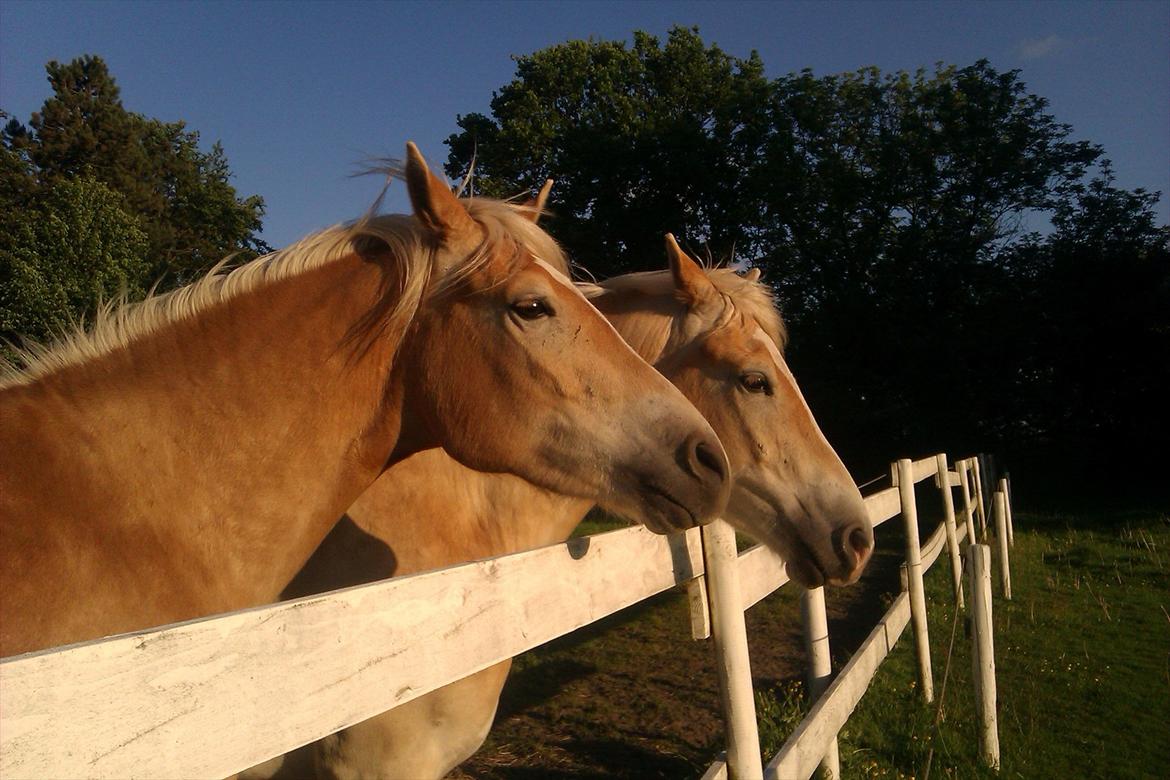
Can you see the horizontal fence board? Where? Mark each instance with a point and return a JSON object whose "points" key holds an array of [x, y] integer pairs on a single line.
{"points": [[761, 571], [883, 505], [925, 468], [717, 770], [938, 542], [801, 754], [170, 702], [919, 469], [933, 547]]}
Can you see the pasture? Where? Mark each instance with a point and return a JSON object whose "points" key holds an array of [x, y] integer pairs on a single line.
{"points": [[1082, 660]]}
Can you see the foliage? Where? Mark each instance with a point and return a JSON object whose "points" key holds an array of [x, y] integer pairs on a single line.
{"points": [[886, 210], [778, 713], [71, 245], [641, 141], [85, 168]]}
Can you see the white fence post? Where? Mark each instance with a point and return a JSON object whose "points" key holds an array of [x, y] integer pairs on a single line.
{"points": [[968, 511], [1007, 501], [952, 532], [979, 507], [732, 664], [905, 473], [1005, 573], [983, 652], [820, 666]]}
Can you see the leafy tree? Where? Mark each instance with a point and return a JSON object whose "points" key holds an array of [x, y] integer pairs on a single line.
{"points": [[1087, 323], [71, 245], [893, 196], [887, 211], [96, 200], [190, 212], [641, 140]]}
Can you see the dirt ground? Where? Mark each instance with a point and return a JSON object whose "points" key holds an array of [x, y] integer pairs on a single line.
{"points": [[635, 696]]}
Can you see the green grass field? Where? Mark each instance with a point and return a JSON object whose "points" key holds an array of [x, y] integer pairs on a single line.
{"points": [[1082, 665]]}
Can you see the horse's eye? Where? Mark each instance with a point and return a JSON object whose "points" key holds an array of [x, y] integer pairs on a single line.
{"points": [[755, 382], [530, 308]]}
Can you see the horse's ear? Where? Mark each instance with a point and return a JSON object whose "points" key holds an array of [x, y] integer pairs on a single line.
{"points": [[690, 281], [535, 206], [432, 200], [753, 275]]}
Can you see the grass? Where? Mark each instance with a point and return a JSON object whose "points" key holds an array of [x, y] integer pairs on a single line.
{"points": [[1082, 665]]}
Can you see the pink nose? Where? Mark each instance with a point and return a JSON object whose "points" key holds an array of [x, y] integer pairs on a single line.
{"points": [[854, 545]]}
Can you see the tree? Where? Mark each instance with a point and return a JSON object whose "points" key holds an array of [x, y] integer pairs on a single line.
{"points": [[892, 197], [96, 201], [190, 212], [1089, 320], [641, 140], [886, 209], [72, 245]]}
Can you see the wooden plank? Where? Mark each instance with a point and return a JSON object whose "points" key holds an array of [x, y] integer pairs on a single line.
{"points": [[700, 608], [953, 479], [924, 469], [717, 770], [801, 754], [761, 571], [920, 469], [933, 547], [883, 505], [211, 697]]}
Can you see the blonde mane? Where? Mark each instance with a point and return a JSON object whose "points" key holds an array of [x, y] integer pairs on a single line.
{"points": [[117, 324], [743, 298]]}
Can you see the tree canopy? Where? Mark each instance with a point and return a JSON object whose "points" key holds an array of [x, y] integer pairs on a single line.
{"points": [[888, 210], [97, 200]]}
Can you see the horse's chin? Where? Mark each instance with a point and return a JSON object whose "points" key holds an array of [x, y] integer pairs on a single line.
{"points": [[660, 512], [799, 561], [760, 520]]}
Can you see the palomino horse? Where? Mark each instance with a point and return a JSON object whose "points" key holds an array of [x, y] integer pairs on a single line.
{"points": [[188, 455], [715, 334]]}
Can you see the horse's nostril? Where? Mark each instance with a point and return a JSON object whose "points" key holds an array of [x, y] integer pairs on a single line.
{"points": [[706, 456], [855, 543], [861, 542]]}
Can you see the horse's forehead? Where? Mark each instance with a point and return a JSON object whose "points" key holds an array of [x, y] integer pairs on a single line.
{"points": [[560, 278], [762, 340]]}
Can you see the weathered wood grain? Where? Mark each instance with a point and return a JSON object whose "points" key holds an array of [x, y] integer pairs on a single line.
{"points": [[214, 696]]}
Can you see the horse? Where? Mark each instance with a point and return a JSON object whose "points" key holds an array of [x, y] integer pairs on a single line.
{"points": [[187, 455], [718, 336]]}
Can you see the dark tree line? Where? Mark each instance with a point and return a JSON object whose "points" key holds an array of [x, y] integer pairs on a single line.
{"points": [[886, 209], [96, 200]]}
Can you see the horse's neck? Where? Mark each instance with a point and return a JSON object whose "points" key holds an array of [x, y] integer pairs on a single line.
{"points": [[226, 443], [645, 321], [430, 511]]}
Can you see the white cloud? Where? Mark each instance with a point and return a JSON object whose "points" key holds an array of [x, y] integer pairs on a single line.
{"points": [[1039, 48]]}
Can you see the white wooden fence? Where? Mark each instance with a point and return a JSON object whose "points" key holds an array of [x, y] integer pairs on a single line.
{"points": [[213, 696]]}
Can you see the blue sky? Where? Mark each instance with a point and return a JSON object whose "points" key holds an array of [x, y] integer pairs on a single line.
{"points": [[300, 92]]}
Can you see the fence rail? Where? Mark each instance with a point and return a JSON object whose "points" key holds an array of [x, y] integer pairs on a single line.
{"points": [[169, 702]]}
